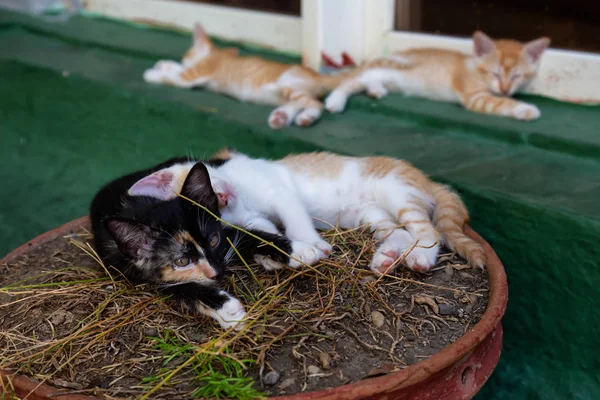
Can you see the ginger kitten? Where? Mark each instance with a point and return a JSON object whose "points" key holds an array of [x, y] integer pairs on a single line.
{"points": [[294, 88], [410, 216], [481, 83]]}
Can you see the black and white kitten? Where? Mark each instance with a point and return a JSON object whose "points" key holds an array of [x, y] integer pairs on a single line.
{"points": [[175, 245]]}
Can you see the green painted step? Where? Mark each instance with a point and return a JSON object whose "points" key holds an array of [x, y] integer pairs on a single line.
{"points": [[510, 168]]}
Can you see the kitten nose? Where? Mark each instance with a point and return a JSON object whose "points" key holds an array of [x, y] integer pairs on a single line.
{"points": [[208, 271]]}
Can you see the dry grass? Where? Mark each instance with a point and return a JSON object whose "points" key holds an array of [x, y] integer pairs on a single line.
{"points": [[75, 324]]}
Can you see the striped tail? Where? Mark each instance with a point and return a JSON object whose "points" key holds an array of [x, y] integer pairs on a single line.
{"points": [[332, 81], [449, 217]]}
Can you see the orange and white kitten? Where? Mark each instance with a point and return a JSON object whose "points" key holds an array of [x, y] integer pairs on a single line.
{"points": [[481, 82], [409, 215], [294, 88]]}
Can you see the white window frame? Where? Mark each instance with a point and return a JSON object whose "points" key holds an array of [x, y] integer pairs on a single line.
{"points": [[363, 29]]}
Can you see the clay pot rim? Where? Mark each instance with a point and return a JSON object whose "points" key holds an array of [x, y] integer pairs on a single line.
{"points": [[409, 376]]}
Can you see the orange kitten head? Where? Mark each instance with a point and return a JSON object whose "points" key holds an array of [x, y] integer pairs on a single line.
{"points": [[507, 65], [203, 50]]}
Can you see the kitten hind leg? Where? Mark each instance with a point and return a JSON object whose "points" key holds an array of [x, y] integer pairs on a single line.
{"points": [[283, 115], [394, 241], [301, 107], [311, 109], [414, 216]]}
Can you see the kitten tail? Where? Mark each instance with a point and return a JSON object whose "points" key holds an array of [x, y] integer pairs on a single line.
{"points": [[332, 81], [449, 217]]}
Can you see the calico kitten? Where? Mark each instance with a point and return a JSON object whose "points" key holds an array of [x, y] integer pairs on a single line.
{"points": [[294, 88], [481, 83], [400, 204], [177, 246]]}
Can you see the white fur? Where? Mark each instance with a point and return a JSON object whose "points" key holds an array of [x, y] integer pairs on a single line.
{"points": [[230, 314], [526, 112], [271, 190]]}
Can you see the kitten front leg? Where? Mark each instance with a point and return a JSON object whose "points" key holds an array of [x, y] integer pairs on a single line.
{"points": [[337, 99], [248, 247], [377, 90], [307, 245], [173, 73], [486, 103], [208, 300], [161, 70]]}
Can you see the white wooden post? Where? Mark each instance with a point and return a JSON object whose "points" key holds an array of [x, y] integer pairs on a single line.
{"points": [[331, 28]]}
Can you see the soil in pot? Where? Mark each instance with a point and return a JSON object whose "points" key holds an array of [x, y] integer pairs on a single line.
{"points": [[65, 321]]}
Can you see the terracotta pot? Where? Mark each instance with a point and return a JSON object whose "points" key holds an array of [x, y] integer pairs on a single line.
{"points": [[456, 372]]}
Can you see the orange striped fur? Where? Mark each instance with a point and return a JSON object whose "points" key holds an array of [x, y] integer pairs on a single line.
{"points": [[482, 82], [294, 88]]}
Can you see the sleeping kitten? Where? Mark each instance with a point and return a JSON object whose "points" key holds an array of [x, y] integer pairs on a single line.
{"points": [[175, 245], [481, 83], [399, 203], [294, 88]]}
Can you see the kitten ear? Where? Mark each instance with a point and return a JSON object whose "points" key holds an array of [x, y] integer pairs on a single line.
{"points": [[535, 48], [158, 185], [482, 44], [198, 187], [200, 36], [134, 239]]}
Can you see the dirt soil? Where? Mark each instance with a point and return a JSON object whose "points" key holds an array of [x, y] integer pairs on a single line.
{"points": [[64, 321]]}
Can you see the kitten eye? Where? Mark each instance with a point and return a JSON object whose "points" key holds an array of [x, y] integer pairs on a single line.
{"points": [[182, 262], [515, 77], [214, 240], [497, 75]]}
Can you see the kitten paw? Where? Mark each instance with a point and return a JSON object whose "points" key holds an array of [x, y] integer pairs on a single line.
{"points": [[526, 112], [153, 76], [421, 259], [267, 263], [308, 254], [335, 102], [231, 314], [307, 117], [324, 246], [278, 119], [383, 260], [377, 91], [161, 70], [168, 66]]}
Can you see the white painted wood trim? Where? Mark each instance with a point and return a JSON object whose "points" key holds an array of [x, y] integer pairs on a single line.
{"points": [[351, 26], [379, 22], [276, 31], [332, 27], [564, 75]]}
